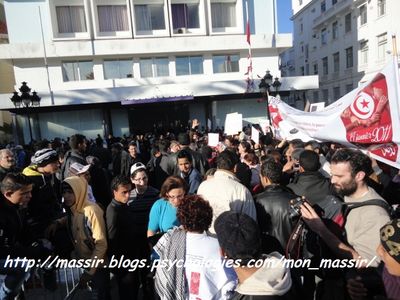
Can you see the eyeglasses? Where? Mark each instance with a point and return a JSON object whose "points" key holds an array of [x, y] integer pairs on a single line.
{"points": [[143, 179], [177, 197]]}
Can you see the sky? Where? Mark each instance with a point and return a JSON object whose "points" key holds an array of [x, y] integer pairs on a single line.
{"points": [[284, 14]]}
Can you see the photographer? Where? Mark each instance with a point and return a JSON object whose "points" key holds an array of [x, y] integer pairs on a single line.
{"points": [[350, 170]]}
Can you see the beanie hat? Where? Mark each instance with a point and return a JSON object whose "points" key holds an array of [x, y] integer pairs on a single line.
{"points": [[239, 236], [390, 237], [44, 157]]}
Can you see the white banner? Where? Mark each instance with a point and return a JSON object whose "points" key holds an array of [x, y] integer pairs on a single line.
{"points": [[367, 118]]}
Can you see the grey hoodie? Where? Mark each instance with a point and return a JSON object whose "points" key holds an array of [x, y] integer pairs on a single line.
{"points": [[273, 278]]}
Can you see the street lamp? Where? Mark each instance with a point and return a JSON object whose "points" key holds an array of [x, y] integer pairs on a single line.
{"points": [[27, 100], [264, 87]]}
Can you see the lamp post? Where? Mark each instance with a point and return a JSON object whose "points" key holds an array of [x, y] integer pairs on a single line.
{"points": [[26, 100], [264, 87]]}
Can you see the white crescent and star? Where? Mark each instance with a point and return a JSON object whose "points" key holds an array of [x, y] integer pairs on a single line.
{"points": [[363, 106]]}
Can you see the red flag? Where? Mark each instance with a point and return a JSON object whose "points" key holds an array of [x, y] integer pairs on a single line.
{"points": [[248, 32]]}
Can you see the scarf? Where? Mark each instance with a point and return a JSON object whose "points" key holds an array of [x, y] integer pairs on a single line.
{"points": [[171, 283]]}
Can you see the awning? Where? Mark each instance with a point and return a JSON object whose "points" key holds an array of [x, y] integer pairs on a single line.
{"points": [[156, 100]]}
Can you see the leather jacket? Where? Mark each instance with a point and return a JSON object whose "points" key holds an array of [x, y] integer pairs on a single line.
{"points": [[273, 211]]}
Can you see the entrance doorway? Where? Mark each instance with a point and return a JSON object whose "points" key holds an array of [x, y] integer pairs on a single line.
{"points": [[159, 116]]}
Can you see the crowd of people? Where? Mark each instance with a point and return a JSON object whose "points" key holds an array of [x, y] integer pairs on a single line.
{"points": [[171, 197]]}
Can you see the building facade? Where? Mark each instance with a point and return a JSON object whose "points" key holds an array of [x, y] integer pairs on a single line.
{"points": [[344, 42], [169, 60]]}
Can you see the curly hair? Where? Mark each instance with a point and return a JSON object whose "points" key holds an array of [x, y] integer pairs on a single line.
{"points": [[194, 213], [359, 162]]}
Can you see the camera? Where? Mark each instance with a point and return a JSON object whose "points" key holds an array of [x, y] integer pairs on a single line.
{"points": [[294, 210]]}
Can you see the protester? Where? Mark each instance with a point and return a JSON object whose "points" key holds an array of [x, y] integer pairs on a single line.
{"points": [[309, 182], [224, 191], [204, 276], [122, 237], [14, 239], [77, 169], [239, 238], [163, 212], [187, 172], [85, 222], [45, 205], [78, 144], [273, 204], [7, 163]]}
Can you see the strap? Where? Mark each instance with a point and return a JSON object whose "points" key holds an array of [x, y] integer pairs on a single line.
{"points": [[295, 240], [348, 206]]}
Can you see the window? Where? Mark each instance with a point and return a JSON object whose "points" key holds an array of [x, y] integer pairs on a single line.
{"points": [[77, 70], [154, 67], [382, 42], [306, 51], [334, 2], [149, 17], [225, 63], [302, 71], [300, 2], [349, 57], [349, 88], [381, 7], [71, 19], [113, 18], [325, 95], [347, 23], [336, 93], [323, 6], [364, 52], [335, 30], [315, 69], [363, 14], [121, 68], [301, 27], [325, 66], [189, 65], [307, 69], [336, 62], [223, 14], [185, 15], [324, 36], [315, 96]]}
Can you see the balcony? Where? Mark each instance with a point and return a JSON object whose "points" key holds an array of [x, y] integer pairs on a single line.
{"points": [[331, 13]]}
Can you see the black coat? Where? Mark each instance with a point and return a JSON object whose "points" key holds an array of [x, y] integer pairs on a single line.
{"points": [[273, 210], [313, 185], [15, 238]]}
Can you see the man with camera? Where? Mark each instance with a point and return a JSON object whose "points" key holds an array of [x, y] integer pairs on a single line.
{"points": [[350, 170]]}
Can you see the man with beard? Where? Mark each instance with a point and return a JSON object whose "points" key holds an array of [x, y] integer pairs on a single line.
{"points": [[350, 170]]}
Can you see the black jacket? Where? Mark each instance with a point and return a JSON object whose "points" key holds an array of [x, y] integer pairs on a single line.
{"points": [[238, 296], [121, 236], [313, 185], [272, 207], [45, 204], [15, 240]]}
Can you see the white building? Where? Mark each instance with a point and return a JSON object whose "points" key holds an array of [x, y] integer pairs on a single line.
{"points": [[100, 53], [345, 42]]}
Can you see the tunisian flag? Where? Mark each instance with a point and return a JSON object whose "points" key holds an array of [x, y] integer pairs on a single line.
{"points": [[366, 118]]}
